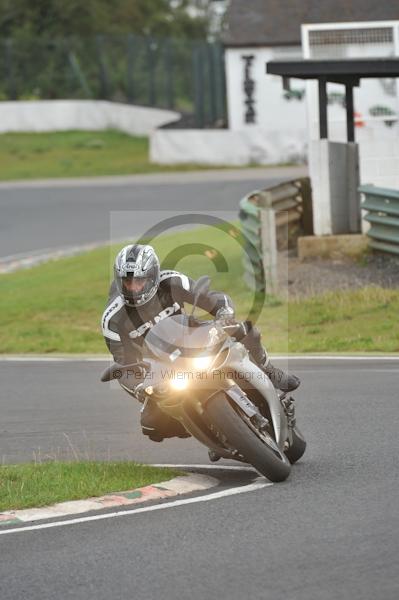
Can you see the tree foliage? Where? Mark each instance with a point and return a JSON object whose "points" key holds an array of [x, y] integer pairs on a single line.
{"points": [[65, 18]]}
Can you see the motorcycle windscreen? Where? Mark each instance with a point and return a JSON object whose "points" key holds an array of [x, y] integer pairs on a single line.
{"points": [[180, 336]]}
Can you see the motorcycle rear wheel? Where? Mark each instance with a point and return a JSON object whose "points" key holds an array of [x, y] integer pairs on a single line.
{"points": [[269, 462]]}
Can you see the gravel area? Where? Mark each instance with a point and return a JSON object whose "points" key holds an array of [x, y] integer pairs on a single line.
{"points": [[300, 279]]}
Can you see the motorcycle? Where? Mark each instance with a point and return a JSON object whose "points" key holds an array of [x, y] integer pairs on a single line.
{"points": [[200, 375]]}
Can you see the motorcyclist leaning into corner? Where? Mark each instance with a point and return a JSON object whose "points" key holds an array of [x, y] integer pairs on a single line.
{"points": [[140, 295]]}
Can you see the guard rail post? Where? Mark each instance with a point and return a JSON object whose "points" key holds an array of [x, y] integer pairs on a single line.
{"points": [[269, 243]]}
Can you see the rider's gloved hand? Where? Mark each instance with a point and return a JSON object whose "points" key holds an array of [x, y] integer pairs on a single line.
{"points": [[225, 315]]}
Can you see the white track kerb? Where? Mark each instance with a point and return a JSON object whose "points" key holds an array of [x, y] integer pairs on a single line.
{"points": [[184, 484], [200, 482]]}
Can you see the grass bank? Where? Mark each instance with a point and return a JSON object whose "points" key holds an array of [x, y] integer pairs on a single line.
{"points": [[57, 307], [77, 154], [35, 485]]}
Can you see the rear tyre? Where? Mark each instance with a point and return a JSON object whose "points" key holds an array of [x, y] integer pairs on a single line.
{"points": [[268, 460], [298, 447]]}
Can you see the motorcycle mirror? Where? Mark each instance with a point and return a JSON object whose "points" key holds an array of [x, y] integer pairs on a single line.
{"points": [[201, 286], [116, 371]]}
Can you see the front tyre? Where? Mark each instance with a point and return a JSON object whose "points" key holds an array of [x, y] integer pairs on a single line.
{"points": [[298, 446], [268, 460]]}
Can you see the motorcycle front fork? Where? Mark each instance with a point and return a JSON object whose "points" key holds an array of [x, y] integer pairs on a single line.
{"points": [[287, 403]]}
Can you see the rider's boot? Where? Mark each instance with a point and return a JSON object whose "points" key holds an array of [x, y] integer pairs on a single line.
{"points": [[286, 382], [157, 425]]}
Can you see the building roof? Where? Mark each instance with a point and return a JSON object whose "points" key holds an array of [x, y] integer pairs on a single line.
{"points": [[335, 69], [278, 22]]}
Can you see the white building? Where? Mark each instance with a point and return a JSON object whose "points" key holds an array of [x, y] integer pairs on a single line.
{"points": [[262, 30]]}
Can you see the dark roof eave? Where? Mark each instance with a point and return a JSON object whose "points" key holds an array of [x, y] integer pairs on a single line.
{"points": [[333, 68]]}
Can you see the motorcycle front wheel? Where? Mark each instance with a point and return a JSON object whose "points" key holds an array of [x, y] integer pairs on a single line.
{"points": [[257, 448], [298, 446]]}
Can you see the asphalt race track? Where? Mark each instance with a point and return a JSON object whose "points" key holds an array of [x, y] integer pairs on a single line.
{"points": [[329, 532], [62, 214]]}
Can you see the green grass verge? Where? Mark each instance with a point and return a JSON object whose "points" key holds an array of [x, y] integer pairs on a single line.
{"points": [[57, 307], [34, 485], [77, 154]]}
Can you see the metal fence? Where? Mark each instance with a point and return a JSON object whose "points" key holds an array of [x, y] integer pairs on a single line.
{"points": [[179, 74], [271, 220], [383, 215]]}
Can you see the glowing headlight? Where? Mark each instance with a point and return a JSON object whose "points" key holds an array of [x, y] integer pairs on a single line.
{"points": [[178, 383], [202, 362]]}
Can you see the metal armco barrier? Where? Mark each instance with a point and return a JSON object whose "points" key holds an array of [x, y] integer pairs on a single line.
{"points": [[266, 217], [383, 215]]}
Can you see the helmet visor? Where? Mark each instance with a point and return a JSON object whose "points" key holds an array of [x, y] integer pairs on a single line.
{"points": [[135, 287]]}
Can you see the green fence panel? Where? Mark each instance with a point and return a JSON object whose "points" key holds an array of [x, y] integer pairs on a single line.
{"points": [[185, 75], [382, 206], [267, 210], [251, 230]]}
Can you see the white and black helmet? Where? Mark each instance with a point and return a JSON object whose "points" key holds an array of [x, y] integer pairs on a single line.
{"points": [[136, 272]]}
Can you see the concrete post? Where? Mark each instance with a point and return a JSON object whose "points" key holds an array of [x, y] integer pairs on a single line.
{"points": [[334, 171]]}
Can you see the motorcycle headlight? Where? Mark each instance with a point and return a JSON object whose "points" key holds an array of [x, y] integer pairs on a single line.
{"points": [[202, 362], [178, 383]]}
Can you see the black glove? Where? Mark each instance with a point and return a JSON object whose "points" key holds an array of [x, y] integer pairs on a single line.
{"points": [[225, 315]]}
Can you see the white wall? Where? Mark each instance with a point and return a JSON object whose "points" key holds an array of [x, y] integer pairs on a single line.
{"points": [[378, 141], [219, 146], [278, 118], [379, 164], [62, 115], [377, 136], [277, 136]]}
